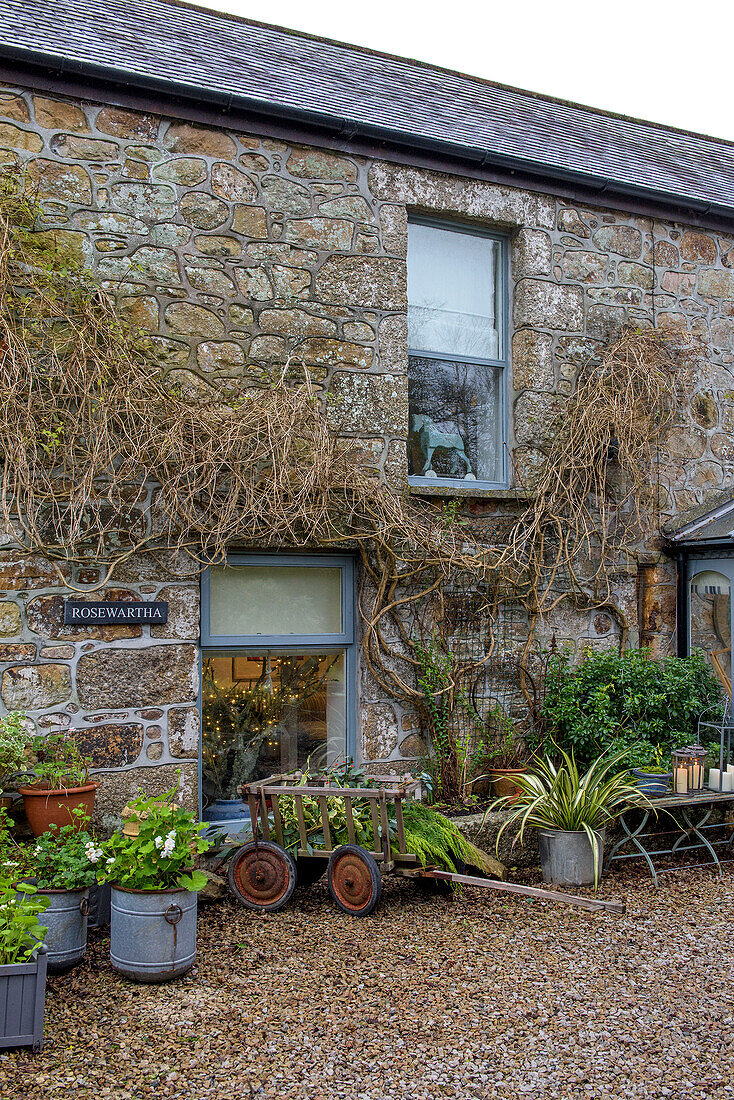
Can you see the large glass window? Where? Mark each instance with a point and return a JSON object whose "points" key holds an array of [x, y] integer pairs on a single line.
{"points": [[278, 672], [457, 354], [710, 619]]}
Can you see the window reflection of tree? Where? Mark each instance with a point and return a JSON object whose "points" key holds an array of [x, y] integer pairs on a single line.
{"points": [[451, 391], [710, 618], [464, 394]]}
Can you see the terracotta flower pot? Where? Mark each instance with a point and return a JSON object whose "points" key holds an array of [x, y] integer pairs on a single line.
{"points": [[45, 808], [503, 783]]}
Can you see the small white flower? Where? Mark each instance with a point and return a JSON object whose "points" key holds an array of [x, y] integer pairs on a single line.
{"points": [[110, 861], [159, 842]]}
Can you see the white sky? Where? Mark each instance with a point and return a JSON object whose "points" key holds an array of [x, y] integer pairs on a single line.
{"points": [[665, 61]]}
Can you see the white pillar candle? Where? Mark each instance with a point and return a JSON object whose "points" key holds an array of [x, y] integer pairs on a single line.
{"points": [[727, 781], [730, 768], [697, 779], [714, 778], [680, 779]]}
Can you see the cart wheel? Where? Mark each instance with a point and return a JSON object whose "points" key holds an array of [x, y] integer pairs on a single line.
{"points": [[354, 880], [309, 871], [262, 877]]}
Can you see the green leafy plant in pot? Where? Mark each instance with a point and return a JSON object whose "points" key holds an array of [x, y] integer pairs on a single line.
{"points": [[22, 965], [59, 783], [154, 887], [62, 865], [501, 754], [14, 741], [653, 778], [570, 810]]}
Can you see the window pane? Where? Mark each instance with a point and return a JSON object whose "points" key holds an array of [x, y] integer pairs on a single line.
{"points": [[452, 293], [710, 612], [282, 599], [265, 713], [454, 419]]}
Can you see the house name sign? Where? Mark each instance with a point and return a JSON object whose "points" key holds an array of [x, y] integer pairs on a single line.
{"points": [[112, 612]]}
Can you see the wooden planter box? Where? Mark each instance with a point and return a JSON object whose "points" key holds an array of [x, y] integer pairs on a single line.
{"points": [[22, 1001]]}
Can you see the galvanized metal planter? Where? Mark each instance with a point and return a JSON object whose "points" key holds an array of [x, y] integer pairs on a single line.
{"points": [[99, 906], [152, 933], [567, 858], [66, 920], [22, 1001]]}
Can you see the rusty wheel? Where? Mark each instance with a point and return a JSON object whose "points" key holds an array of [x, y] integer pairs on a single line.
{"points": [[263, 878], [354, 880]]}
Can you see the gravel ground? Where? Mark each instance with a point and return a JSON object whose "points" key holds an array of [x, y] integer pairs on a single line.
{"points": [[485, 996]]}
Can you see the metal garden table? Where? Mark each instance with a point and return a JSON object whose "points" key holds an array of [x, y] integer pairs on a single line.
{"points": [[689, 816]]}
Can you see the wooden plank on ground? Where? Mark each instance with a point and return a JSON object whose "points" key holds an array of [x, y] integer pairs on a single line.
{"points": [[593, 904]]}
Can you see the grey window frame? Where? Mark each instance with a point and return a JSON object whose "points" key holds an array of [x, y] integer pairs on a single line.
{"points": [[415, 480], [345, 640]]}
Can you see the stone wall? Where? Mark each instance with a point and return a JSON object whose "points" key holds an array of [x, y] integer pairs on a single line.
{"points": [[234, 251], [129, 693]]}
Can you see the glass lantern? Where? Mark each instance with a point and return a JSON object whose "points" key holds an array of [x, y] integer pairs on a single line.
{"points": [[696, 767], [688, 769], [682, 771]]}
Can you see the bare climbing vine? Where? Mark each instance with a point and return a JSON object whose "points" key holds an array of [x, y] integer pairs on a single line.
{"points": [[107, 456]]}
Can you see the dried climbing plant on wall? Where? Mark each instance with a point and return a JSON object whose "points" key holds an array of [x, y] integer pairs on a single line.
{"points": [[597, 496], [109, 454]]}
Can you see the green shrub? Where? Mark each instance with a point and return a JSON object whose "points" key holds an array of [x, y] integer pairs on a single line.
{"points": [[627, 702]]}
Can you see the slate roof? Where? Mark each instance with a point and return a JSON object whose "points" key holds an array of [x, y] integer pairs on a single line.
{"points": [[707, 526], [208, 56]]}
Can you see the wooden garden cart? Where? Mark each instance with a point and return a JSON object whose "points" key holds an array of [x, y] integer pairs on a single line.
{"points": [[263, 874]]}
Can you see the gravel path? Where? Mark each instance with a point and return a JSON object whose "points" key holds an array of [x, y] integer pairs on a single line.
{"points": [[483, 996]]}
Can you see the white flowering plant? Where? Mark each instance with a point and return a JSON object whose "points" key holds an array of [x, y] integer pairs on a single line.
{"points": [[62, 858], [160, 856]]}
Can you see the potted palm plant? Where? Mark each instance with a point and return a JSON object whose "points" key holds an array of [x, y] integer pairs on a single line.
{"points": [[571, 810], [59, 783], [62, 865], [154, 886], [22, 967]]}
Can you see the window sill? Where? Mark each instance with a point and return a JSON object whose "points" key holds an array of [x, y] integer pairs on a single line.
{"points": [[471, 491]]}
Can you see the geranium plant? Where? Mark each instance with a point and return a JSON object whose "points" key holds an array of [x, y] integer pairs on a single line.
{"points": [[160, 856], [63, 858], [21, 932]]}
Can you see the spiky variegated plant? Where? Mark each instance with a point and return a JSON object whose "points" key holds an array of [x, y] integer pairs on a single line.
{"points": [[559, 797]]}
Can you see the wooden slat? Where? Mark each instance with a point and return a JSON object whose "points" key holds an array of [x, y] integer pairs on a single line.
{"points": [[376, 845], [339, 792], [593, 904], [385, 828], [350, 819], [264, 815], [303, 835], [400, 825], [325, 822], [253, 804], [277, 820]]}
